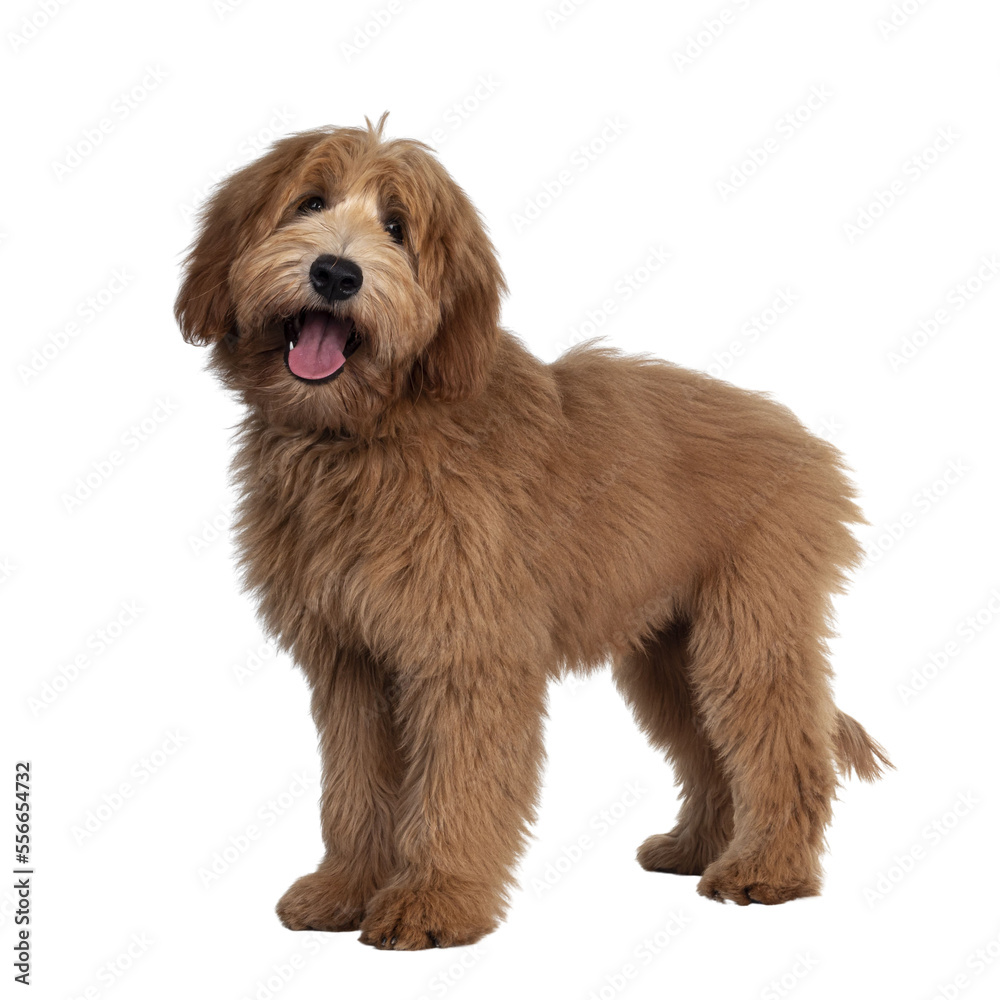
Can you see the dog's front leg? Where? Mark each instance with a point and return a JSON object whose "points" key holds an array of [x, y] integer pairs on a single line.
{"points": [[353, 705], [472, 734]]}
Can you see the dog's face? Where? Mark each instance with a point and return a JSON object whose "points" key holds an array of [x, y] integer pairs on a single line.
{"points": [[340, 275]]}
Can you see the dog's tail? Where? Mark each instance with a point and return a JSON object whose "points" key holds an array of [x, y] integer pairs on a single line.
{"points": [[856, 751]]}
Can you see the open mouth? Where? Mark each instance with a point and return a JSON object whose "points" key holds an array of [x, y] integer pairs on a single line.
{"points": [[318, 344]]}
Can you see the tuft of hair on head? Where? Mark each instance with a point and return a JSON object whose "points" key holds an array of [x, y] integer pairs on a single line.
{"points": [[376, 131]]}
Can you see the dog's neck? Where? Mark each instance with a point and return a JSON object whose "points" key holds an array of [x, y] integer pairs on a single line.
{"points": [[408, 408]]}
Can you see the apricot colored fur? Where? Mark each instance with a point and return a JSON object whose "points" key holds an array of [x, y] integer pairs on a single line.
{"points": [[450, 523]]}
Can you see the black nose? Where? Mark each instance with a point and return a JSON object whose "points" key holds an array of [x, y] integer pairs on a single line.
{"points": [[335, 277]]}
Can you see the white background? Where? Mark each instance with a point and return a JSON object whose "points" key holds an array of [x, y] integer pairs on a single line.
{"points": [[162, 708]]}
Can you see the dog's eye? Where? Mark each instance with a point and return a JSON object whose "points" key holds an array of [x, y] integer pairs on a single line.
{"points": [[395, 230], [314, 203]]}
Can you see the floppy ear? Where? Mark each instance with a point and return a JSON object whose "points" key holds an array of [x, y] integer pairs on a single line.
{"points": [[238, 212], [204, 308], [457, 361]]}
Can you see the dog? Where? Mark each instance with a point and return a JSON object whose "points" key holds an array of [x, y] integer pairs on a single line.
{"points": [[435, 524]]}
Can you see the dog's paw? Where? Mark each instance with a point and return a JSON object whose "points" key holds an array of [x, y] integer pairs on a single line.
{"points": [[748, 879], [410, 917], [322, 901], [676, 855]]}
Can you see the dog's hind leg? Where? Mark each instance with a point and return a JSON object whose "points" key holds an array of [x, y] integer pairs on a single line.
{"points": [[656, 685], [759, 670], [353, 706]]}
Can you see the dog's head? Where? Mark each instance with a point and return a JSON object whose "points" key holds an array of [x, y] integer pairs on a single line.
{"points": [[340, 274]]}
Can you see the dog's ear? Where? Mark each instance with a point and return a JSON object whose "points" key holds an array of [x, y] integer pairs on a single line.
{"points": [[456, 362], [204, 307], [239, 212]]}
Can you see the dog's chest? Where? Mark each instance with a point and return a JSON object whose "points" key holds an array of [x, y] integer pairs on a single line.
{"points": [[332, 544]]}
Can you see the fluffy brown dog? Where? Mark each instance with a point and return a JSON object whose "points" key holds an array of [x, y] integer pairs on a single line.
{"points": [[436, 523]]}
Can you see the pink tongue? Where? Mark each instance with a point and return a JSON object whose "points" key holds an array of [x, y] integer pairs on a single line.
{"points": [[319, 351]]}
